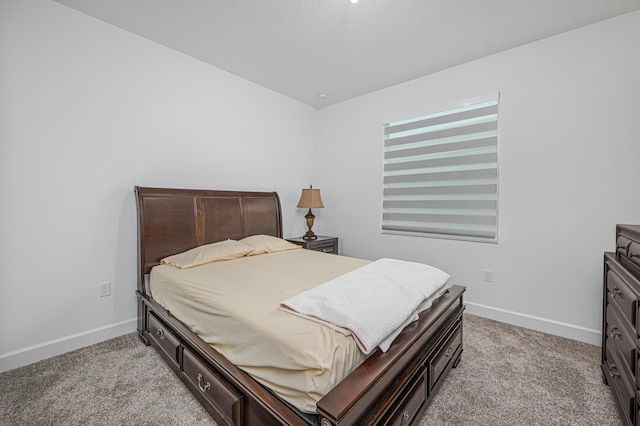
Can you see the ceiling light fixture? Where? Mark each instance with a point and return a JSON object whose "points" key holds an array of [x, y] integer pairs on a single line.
{"points": [[354, 1]]}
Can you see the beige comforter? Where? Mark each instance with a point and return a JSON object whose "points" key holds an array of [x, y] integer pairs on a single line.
{"points": [[233, 306]]}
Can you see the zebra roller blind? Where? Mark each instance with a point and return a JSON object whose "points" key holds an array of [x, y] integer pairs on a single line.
{"points": [[441, 174]]}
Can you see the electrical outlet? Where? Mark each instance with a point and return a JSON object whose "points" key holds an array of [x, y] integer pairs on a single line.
{"points": [[487, 276], [105, 289]]}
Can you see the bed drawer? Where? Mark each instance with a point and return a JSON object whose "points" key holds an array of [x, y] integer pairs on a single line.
{"points": [[163, 338], [222, 400], [410, 405], [446, 353]]}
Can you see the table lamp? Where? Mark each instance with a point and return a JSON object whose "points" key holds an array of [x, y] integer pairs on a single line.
{"points": [[310, 199]]}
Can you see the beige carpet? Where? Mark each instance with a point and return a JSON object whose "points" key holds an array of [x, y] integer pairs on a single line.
{"points": [[507, 376]]}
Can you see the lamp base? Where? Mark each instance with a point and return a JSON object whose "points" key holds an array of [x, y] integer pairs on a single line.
{"points": [[309, 235]]}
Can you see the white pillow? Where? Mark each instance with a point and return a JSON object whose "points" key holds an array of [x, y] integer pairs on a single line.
{"points": [[222, 250], [267, 244]]}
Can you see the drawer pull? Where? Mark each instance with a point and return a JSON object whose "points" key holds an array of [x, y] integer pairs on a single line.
{"points": [[327, 249], [615, 292], [405, 419], [615, 332], [160, 333], [207, 385], [614, 371], [450, 351]]}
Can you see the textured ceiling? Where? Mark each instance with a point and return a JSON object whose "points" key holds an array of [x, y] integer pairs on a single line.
{"points": [[302, 48]]}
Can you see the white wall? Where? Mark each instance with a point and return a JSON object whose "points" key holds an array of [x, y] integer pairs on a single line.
{"points": [[87, 111], [569, 171]]}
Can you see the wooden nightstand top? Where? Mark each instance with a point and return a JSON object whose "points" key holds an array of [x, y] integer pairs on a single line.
{"points": [[323, 243]]}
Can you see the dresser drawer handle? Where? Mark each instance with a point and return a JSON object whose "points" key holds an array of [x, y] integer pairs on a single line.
{"points": [[615, 332], [160, 333], [327, 249], [405, 419], [614, 371], [207, 385], [615, 292], [450, 351]]}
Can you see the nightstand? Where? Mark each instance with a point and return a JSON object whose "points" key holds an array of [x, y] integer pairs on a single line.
{"points": [[323, 244]]}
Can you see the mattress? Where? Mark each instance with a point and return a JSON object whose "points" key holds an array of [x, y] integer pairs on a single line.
{"points": [[233, 306]]}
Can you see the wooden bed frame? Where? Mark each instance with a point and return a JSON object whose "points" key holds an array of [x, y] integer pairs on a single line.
{"points": [[388, 388]]}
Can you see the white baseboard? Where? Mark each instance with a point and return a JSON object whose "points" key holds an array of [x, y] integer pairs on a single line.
{"points": [[557, 328], [31, 354]]}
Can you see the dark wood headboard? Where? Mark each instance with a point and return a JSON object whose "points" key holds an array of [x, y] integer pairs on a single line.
{"points": [[171, 220]]}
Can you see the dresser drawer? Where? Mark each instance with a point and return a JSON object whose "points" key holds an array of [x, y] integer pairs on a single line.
{"points": [[410, 405], [228, 404], [620, 341], [621, 388], [633, 253], [444, 356], [163, 338], [620, 293], [628, 247], [622, 245]]}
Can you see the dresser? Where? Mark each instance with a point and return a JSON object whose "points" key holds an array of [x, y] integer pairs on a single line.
{"points": [[621, 323]]}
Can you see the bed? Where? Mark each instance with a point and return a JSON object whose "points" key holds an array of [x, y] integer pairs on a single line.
{"points": [[392, 387]]}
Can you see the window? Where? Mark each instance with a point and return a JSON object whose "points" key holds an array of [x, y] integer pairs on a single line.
{"points": [[441, 174]]}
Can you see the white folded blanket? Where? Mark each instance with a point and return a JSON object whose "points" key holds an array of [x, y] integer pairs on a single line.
{"points": [[374, 302]]}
